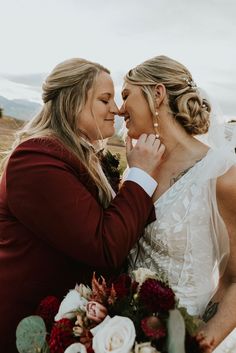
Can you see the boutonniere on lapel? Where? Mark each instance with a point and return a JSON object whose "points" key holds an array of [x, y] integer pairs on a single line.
{"points": [[111, 167]]}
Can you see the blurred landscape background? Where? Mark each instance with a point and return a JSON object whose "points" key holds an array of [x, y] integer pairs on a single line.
{"points": [[200, 34], [9, 125]]}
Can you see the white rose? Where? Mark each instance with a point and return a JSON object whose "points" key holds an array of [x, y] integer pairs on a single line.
{"points": [[144, 348], [142, 274], [117, 334], [72, 302], [97, 328], [76, 348]]}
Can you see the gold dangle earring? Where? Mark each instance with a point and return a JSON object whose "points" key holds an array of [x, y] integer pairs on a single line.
{"points": [[155, 124]]}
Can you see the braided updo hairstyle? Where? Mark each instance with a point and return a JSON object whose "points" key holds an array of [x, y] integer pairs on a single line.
{"points": [[185, 101]]}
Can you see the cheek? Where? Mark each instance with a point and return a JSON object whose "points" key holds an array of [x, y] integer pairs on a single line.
{"points": [[101, 114], [142, 123], [107, 128], [85, 123]]}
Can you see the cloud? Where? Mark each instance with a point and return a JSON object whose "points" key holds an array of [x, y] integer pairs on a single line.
{"points": [[13, 90], [36, 35]]}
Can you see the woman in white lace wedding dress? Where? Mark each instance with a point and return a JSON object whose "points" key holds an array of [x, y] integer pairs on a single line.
{"points": [[182, 242], [193, 240]]}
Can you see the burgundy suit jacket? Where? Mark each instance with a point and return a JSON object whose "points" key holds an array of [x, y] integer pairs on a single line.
{"points": [[54, 232]]}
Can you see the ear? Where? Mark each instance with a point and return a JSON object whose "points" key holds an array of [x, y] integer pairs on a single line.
{"points": [[160, 93]]}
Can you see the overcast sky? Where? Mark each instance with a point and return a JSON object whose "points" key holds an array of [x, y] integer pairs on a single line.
{"points": [[37, 34]]}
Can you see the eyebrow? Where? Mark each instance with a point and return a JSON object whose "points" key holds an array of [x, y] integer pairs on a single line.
{"points": [[106, 93]]}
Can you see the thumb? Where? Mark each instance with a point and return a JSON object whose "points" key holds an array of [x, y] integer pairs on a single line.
{"points": [[129, 145]]}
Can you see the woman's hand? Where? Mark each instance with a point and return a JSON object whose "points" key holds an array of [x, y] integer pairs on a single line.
{"points": [[206, 343], [146, 154]]}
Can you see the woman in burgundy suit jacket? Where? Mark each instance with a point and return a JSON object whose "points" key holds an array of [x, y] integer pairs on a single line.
{"points": [[58, 219]]}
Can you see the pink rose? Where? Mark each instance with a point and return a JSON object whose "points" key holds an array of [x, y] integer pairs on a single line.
{"points": [[96, 311]]}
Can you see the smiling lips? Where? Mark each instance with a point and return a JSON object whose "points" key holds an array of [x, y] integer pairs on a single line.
{"points": [[127, 119]]}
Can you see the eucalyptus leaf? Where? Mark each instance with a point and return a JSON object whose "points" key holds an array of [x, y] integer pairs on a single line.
{"points": [[31, 335], [45, 348], [176, 332], [192, 323]]}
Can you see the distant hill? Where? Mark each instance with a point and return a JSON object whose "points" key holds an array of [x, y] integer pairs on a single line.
{"points": [[19, 108], [8, 127], [10, 124]]}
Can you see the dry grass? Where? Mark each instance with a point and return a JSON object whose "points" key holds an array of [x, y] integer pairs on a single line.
{"points": [[9, 125]]}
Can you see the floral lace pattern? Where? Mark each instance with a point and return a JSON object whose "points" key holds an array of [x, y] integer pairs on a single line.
{"points": [[180, 243]]}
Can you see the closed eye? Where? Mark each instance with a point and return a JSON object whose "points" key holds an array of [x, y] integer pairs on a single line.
{"points": [[104, 101], [125, 94]]}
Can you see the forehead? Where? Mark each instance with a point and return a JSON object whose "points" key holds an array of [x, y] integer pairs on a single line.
{"points": [[129, 87], [104, 83]]}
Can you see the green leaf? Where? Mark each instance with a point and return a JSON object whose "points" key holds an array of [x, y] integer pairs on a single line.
{"points": [[31, 335], [192, 323], [176, 332], [45, 348]]}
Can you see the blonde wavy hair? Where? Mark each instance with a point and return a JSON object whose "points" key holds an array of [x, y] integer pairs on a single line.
{"points": [[184, 99], [64, 95]]}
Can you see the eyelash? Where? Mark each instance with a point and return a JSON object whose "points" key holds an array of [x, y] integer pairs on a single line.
{"points": [[105, 102]]}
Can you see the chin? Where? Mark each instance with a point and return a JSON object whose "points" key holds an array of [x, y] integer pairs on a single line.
{"points": [[108, 133], [133, 135]]}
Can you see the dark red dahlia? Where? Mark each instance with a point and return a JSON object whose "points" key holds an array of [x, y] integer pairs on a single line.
{"points": [[48, 309], [156, 296], [153, 327], [90, 349], [86, 339], [61, 336], [122, 285], [134, 287]]}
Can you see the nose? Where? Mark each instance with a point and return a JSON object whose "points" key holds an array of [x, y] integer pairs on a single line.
{"points": [[114, 109]]}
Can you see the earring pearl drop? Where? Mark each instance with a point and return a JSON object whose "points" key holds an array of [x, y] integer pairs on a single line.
{"points": [[156, 124]]}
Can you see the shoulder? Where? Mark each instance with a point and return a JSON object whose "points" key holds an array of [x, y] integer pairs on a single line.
{"points": [[44, 162], [44, 150], [227, 181], [226, 187], [40, 145]]}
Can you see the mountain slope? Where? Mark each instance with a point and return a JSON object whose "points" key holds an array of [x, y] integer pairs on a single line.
{"points": [[19, 108]]}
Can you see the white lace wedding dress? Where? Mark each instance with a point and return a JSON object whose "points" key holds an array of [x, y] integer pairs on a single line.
{"points": [[188, 241]]}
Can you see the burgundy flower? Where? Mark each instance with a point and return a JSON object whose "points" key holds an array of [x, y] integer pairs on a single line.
{"points": [[47, 309], [122, 285], [156, 296], [90, 349], [153, 328], [61, 336], [134, 287], [87, 340]]}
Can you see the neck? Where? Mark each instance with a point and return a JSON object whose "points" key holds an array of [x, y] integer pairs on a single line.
{"points": [[179, 144]]}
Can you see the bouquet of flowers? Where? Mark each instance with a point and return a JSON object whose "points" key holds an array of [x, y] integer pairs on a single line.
{"points": [[139, 315]]}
